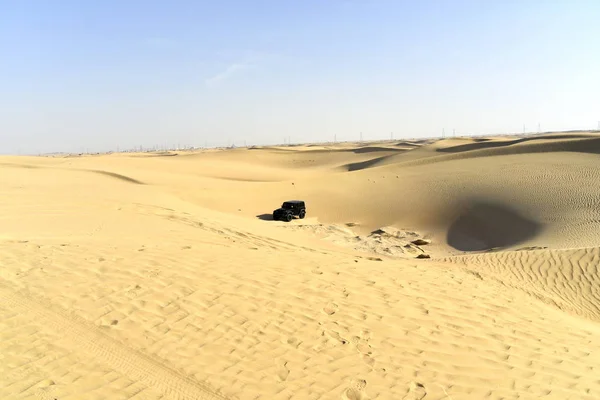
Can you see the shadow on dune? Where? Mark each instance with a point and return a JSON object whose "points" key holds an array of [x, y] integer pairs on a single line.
{"points": [[487, 144], [118, 176], [265, 217], [27, 166], [157, 154], [359, 150], [357, 166], [484, 226], [237, 179], [372, 149], [409, 144]]}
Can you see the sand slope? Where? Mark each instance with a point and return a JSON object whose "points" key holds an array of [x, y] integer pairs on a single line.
{"points": [[153, 276]]}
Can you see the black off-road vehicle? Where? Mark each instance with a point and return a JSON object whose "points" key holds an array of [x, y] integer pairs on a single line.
{"points": [[290, 209]]}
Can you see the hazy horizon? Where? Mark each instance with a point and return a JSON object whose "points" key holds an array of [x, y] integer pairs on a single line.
{"points": [[107, 76], [168, 146]]}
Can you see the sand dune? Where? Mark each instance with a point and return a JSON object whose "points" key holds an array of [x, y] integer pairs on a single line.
{"points": [[162, 276], [566, 279]]}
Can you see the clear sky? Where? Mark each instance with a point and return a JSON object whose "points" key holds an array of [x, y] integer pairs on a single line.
{"points": [[97, 75]]}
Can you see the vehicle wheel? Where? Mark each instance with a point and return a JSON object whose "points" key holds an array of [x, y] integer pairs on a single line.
{"points": [[302, 214], [288, 217]]}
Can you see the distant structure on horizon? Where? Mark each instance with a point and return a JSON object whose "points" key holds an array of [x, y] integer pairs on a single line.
{"points": [[287, 142]]}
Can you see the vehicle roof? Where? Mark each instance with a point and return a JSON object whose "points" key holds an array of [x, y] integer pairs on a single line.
{"points": [[294, 201]]}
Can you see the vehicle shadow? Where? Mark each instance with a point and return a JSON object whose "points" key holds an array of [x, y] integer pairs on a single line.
{"points": [[265, 217]]}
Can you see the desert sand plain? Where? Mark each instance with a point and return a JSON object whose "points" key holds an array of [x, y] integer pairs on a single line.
{"points": [[161, 275]]}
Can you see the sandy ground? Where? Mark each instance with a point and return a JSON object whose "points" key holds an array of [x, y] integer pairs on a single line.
{"points": [[161, 276]]}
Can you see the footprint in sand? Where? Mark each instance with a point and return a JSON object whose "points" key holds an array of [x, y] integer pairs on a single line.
{"points": [[367, 359], [45, 390], [359, 384], [336, 336], [364, 348], [356, 390], [292, 341], [283, 372], [416, 391], [330, 309]]}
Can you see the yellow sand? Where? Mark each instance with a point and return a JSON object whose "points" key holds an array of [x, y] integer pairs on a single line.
{"points": [[160, 276]]}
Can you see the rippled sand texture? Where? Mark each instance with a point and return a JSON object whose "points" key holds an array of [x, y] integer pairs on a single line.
{"points": [[162, 276]]}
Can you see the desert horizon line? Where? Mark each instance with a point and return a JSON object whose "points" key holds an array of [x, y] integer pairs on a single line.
{"points": [[288, 143]]}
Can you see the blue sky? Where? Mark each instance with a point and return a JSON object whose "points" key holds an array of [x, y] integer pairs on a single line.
{"points": [[102, 75]]}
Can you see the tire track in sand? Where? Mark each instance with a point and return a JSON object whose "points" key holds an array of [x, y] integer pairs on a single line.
{"points": [[121, 358]]}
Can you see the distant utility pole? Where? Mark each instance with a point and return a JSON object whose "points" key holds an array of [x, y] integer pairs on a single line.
{"points": [[443, 132], [454, 132], [523, 128], [335, 138], [392, 136], [539, 127], [361, 132]]}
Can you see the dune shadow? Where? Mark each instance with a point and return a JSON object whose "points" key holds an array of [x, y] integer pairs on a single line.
{"points": [[408, 144], [155, 154], [357, 166], [265, 217], [484, 225], [118, 176], [372, 149], [479, 144], [232, 178], [359, 150], [26, 166]]}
